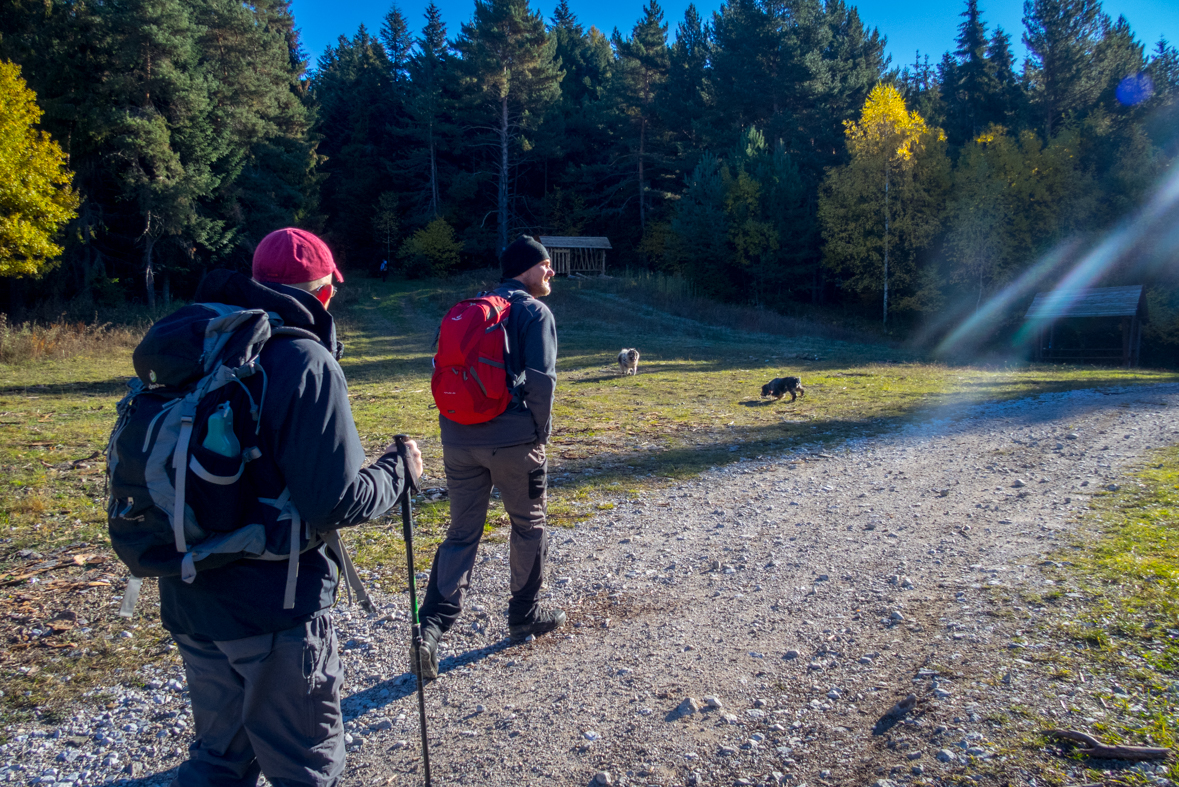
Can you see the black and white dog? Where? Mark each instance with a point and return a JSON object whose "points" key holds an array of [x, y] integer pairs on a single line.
{"points": [[780, 386], [628, 361]]}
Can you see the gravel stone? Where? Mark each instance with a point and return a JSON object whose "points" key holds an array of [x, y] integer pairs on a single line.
{"points": [[652, 618]]}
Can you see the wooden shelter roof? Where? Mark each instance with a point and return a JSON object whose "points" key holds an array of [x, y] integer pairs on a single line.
{"points": [[1094, 302], [572, 242]]}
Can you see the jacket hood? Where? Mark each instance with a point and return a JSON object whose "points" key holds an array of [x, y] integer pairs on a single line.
{"points": [[296, 308]]}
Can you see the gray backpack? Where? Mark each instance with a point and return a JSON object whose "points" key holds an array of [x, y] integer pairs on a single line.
{"points": [[183, 493]]}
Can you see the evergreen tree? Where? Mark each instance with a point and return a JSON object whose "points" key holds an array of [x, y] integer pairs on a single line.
{"points": [[970, 90], [1163, 71], [698, 245], [1061, 37], [508, 66], [398, 42], [1009, 99], [639, 77], [355, 90], [1118, 56], [574, 142], [846, 62], [746, 71], [260, 112], [166, 152], [431, 72], [921, 86], [685, 99]]}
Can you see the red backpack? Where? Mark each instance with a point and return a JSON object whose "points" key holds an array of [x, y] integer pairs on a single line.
{"points": [[470, 381]]}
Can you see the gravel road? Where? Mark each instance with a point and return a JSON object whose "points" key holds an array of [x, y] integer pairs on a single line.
{"points": [[752, 626]]}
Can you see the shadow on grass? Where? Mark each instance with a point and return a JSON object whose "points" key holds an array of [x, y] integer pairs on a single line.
{"points": [[681, 363], [1034, 386], [116, 386], [758, 403], [387, 370]]}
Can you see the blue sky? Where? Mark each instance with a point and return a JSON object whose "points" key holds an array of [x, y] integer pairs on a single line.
{"points": [[928, 25]]}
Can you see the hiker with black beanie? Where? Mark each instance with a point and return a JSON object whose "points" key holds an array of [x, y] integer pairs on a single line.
{"points": [[508, 452]]}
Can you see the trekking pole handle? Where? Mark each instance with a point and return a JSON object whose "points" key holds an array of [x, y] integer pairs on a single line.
{"points": [[410, 478]]}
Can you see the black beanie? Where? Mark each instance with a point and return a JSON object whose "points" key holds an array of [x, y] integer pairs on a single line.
{"points": [[522, 254]]}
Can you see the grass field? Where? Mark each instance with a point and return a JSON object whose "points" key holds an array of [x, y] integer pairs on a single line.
{"points": [[693, 404]]}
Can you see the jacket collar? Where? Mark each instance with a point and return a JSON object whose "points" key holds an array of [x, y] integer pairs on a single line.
{"points": [[294, 307]]}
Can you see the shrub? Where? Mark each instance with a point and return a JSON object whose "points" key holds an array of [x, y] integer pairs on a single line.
{"points": [[431, 251]]}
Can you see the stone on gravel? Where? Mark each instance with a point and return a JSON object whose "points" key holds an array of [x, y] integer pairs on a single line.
{"points": [[896, 617], [713, 702], [945, 755], [603, 778], [791, 654]]}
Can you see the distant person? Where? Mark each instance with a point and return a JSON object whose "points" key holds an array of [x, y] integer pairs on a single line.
{"points": [[265, 680], [509, 453], [384, 270]]}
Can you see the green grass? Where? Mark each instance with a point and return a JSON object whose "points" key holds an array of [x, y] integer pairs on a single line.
{"points": [[693, 405], [1129, 572]]}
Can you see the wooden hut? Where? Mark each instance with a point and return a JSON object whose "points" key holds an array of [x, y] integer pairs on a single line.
{"points": [[1078, 325], [577, 255]]}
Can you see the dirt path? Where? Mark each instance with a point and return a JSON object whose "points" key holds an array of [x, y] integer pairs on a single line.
{"points": [[805, 593]]}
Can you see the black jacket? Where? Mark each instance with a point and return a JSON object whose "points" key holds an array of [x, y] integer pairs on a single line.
{"points": [[310, 445], [532, 344]]}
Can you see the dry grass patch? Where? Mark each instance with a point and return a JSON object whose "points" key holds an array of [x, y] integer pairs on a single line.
{"points": [[29, 342]]}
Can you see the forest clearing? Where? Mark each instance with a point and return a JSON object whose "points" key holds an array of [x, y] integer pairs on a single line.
{"points": [[645, 469]]}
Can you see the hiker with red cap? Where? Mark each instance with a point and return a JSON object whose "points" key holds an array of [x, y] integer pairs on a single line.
{"points": [[263, 675]]}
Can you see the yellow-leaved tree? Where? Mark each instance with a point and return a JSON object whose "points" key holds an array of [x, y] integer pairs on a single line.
{"points": [[881, 209], [35, 194]]}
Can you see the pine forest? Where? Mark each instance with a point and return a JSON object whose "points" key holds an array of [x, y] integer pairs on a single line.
{"points": [[770, 154]]}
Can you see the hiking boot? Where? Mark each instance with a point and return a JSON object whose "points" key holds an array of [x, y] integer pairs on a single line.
{"points": [[545, 621], [429, 658]]}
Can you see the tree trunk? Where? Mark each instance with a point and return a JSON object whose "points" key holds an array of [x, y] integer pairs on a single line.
{"points": [[886, 243], [149, 273], [503, 175], [642, 183], [434, 201]]}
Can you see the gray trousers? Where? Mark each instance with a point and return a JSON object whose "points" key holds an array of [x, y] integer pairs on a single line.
{"points": [[520, 472], [266, 704]]}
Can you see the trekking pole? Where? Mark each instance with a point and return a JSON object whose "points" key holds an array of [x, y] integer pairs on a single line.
{"points": [[411, 486]]}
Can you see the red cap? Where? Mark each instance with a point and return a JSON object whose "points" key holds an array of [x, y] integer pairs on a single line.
{"points": [[293, 256]]}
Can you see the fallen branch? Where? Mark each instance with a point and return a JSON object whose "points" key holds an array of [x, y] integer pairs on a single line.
{"points": [[1091, 747], [80, 462], [79, 559]]}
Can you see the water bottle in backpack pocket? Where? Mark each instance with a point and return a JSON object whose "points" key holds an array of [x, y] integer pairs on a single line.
{"points": [[217, 482]]}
